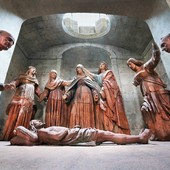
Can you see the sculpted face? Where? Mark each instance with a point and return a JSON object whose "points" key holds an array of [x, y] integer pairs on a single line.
{"points": [[102, 66], [79, 69], [33, 71], [37, 124], [131, 65], [165, 43], [6, 41], [53, 74]]}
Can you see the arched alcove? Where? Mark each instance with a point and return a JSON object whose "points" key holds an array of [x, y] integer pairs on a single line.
{"points": [[89, 56]]}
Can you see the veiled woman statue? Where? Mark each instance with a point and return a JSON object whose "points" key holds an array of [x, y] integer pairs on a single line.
{"points": [[81, 98], [56, 109]]}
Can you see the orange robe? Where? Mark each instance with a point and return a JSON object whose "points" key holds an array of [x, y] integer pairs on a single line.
{"points": [[20, 109], [156, 105], [56, 111], [111, 104], [82, 111]]}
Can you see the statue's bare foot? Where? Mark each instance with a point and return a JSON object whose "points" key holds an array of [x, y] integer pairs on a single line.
{"points": [[144, 136]]}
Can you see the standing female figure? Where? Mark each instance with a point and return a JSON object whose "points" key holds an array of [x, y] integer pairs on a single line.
{"points": [[81, 96], [156, 104], [20, 109], [56, 111], [111, 103]]}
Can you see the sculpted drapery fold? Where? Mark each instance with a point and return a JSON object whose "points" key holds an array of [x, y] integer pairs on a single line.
{"points": [[114, 117], [156, 104], [20, 109]]}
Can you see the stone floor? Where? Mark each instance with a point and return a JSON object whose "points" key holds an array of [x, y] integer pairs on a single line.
{"points": [[108, 156]]}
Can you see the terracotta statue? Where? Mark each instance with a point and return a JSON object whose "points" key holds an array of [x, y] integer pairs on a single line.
{"points": [[111, 103], [58, 135], [156, 104], [80, 98], [165, 43], [6, 41], [20, 109], [56, 110]]}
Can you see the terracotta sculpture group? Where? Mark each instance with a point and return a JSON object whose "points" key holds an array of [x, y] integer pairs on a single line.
{"points": [[82, 112], [80, 104]]}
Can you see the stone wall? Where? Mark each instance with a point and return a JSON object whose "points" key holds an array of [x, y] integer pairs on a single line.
{"points": [[158, 22]]}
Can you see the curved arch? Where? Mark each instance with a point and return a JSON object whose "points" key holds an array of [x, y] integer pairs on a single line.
{"points": [[112, 53], [91, 56]]}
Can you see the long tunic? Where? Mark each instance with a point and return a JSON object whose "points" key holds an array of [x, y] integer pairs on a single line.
{"points": [[82, 110], [111, 104], [20, 109], [156, 105], [56, 110]]}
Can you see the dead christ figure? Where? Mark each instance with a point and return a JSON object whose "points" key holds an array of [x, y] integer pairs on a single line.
{"points": [[156, 105], [58, 135], [20, 109]]}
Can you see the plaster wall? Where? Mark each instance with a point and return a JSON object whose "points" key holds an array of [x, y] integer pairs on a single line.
{"points": [[159, 24]]}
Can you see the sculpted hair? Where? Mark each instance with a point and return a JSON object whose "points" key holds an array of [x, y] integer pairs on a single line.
{"points": [[29, 68], [106, 66], [134, 61]]}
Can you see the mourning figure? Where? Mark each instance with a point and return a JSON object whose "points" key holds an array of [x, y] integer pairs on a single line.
{"points": [[165, 43], [6, 41], [111, 102], [21, 107], [56, 110], [80, 97], [156, 99]]}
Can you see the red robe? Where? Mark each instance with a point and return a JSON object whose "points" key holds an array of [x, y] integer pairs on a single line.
{"points": [[114, 117], [20, 109]]}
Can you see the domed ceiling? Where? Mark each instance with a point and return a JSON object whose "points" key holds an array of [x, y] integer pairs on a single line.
{"points": [[40, 33]]}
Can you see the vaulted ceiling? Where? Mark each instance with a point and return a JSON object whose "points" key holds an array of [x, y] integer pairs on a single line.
{"points": [[42, 28], [40, 33]]}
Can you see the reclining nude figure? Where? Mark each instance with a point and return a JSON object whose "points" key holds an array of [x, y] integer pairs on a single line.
{"points": [[58, 135]]}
